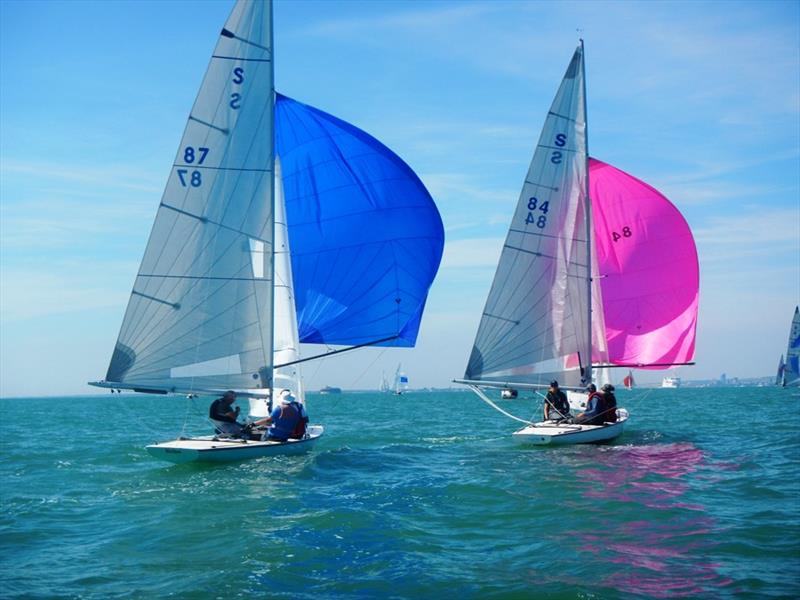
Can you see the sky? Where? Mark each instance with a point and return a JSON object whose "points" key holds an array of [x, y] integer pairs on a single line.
{"points": [[699, 99]]}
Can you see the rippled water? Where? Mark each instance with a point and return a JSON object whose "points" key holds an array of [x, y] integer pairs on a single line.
{"points": [[424, 496]]}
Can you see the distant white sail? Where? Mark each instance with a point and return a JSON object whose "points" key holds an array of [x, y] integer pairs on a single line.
{"points": [[400, 381]]}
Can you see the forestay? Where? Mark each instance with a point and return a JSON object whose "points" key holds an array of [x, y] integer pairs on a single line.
{"points": [[199, 316], [366, 236], [535, 325]]}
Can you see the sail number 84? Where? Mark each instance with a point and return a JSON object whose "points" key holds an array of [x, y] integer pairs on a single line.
{"points": [[533, 208]]}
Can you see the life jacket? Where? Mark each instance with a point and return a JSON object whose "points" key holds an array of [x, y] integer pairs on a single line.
{"points": [[600, 406], [299, 430], [610, 414], [290, 423]]}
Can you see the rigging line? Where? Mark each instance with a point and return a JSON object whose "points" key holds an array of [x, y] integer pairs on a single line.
{"points": [[486, 399], [133, 415], [302, 360], [372, 364]]}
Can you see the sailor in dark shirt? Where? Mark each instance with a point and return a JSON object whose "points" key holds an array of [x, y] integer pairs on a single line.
{"points": [[556, 405], [223, 415]]}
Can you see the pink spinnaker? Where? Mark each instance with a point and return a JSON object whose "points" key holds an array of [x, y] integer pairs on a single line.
{"points": [[648, 263]]}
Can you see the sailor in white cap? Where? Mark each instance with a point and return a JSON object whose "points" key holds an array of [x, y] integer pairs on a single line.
{"points": [[287, 420]]}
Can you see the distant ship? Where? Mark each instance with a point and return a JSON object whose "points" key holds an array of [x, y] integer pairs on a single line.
{"points": [[671, 382], [330, 390]]}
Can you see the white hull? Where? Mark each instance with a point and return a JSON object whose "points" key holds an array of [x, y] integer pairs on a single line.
{"points": [[671, 382], [549, 433], [213, 449]]}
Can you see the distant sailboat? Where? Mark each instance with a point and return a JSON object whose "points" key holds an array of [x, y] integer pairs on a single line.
{"points": [[400, 381], [221, 302], [779, 379], [791, 371], [628, 381], [384, 386], [671, 382], [598, 270]]}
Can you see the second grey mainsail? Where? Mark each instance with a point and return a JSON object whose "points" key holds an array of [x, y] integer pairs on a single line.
{"points": [[535, 325]]}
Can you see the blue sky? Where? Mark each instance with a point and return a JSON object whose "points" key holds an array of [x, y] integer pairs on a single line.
{"points": [[699, 99]]}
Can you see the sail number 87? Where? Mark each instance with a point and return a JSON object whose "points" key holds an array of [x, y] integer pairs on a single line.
{"points": [[537, 213], [190, 155]]}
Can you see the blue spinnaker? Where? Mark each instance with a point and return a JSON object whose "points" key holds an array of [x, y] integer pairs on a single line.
{"points": [[366, 237]]}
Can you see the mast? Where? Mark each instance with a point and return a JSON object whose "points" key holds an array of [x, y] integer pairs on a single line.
{"points": [[271, 373], [588, 212]]}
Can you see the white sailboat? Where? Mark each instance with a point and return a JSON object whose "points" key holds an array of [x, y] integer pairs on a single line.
{"points": [[400, 381], [384, 385], [581, 287], [222, 301], [790, 374]]}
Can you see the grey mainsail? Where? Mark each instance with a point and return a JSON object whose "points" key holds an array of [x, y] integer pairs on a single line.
{"points": [[536, 322], [200, 313]]}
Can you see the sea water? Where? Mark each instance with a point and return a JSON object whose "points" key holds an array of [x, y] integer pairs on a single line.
{"points": [[423, 495]]}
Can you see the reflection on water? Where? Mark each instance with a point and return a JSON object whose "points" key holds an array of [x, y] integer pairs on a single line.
{"points": [[651, 537]]}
